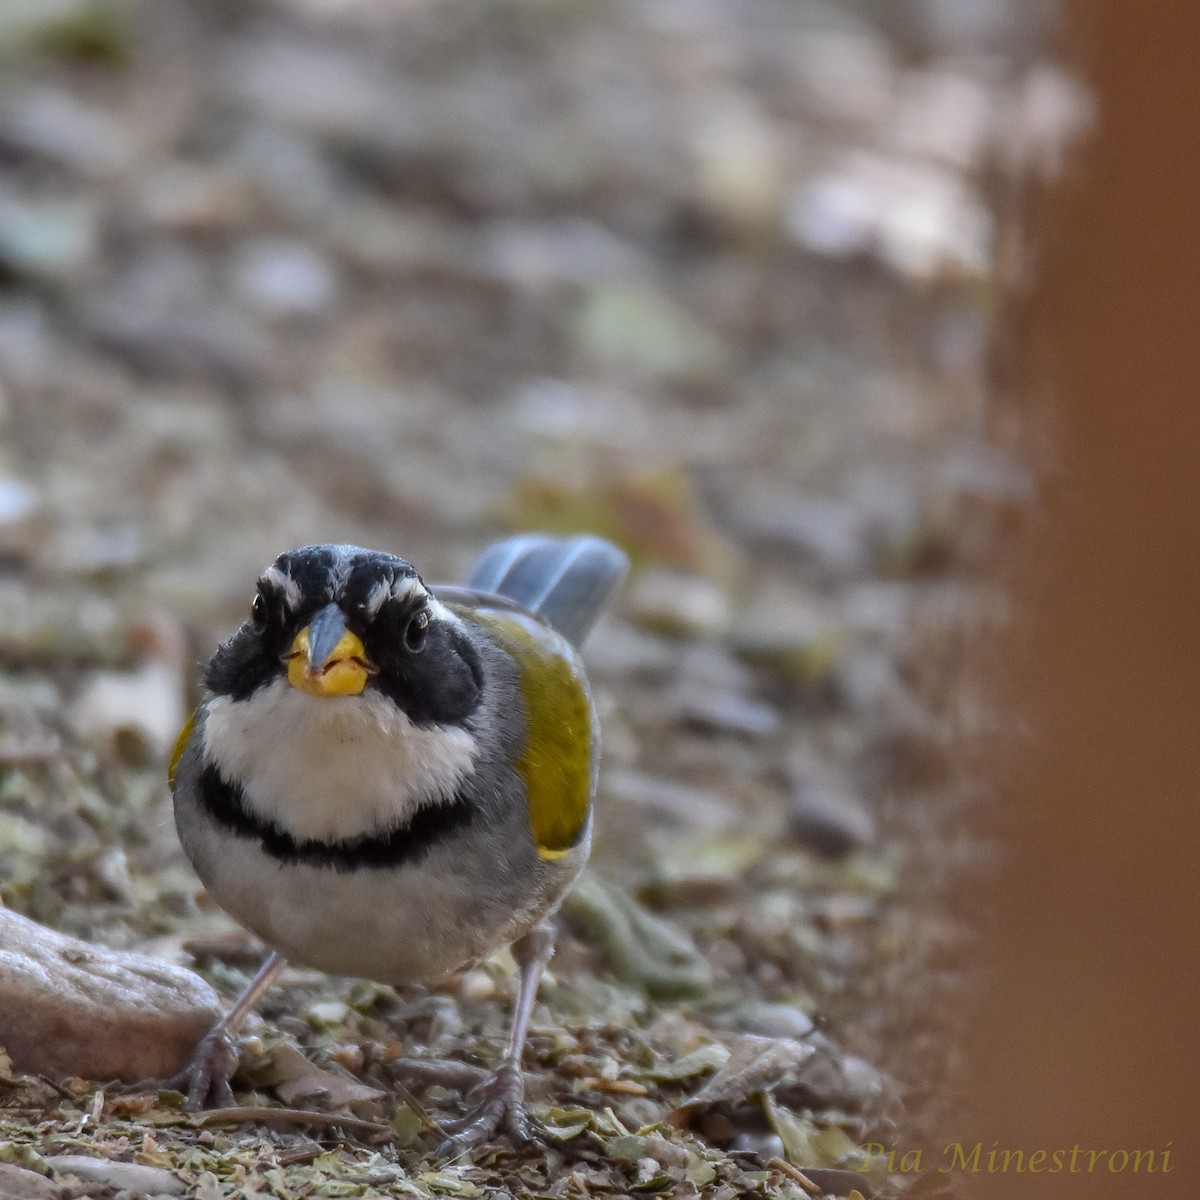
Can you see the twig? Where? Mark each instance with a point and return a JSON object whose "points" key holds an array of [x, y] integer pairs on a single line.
{"points": [[444, 1071], [291, 1116], [426, 1117], [795, 1175], [305, 1154]]}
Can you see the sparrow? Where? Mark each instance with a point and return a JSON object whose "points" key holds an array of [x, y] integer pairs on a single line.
{"points": [[392, 780]]}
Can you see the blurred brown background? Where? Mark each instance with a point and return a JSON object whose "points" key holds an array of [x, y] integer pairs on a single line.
{"points": [[1091, 1035]]}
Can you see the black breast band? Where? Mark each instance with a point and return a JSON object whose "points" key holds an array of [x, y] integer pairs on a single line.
{"points": [[407, 843]]}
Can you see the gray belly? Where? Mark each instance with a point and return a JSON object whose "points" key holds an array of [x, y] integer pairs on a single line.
{"points": [[413, 923]]}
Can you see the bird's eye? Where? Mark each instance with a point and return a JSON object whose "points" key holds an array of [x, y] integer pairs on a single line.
{"points": [[414, 633], [258, 611]]}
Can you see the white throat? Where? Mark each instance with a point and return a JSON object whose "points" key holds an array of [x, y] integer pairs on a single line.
{"points": [[333, 767]]}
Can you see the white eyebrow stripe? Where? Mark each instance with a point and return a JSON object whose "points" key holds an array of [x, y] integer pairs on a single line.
{"points": [[286, 585], [406, 587], [376, 597], [439, 612]]}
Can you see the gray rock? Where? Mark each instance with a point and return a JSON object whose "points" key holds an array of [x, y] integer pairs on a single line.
{"points": [[727, 712], [62, 129], [673, 802], [826, 814], [825, 531], [125, 1177], [24, 1184], [711, 693], [71, 1008]]}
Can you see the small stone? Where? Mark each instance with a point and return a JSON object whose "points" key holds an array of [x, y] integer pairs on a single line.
{"points": [[764, 1146], [833, 1079], [774, 1020], [24, 1184], [284, 278], [677, 603], [826, 814], [710, 693], [822, 530], [140, 712], [125, 1177], [672, 802], [21, 516], [922, 219], [48, 239], [789, 632], [71, 1008], [835, 1182], [62, 129], [642, 330], [726, 712]]}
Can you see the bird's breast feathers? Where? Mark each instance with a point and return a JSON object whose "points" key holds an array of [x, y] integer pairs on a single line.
{"points": [[333, 768]]}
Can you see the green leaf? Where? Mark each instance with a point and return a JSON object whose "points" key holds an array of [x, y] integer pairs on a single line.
{"points": [[795, 1133], [563, 1124], [711, 1057]]}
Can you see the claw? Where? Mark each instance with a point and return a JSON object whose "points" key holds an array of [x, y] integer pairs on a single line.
{"points": [[499, 1108], [205, 1079]]}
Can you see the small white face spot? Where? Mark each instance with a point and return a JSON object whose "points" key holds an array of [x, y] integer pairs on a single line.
{"points": [[285, 585], [377, 597]]}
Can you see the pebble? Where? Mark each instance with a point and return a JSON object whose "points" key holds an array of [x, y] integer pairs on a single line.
{"points": [[835, 1182], [726, 712], [790, 632], [832, 1079], [774, 1020], [764, 1146], [677, 603], [285, 278], [140, 712], [64, 130], [71, 1008], [826, 814], [48, 239], [20, 510], [671, 801], [23, 1184], [825, 531], [711, 693], [920, 218], [642, 330], [126, 1177]]}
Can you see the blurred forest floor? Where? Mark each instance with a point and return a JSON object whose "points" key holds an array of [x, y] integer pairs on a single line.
{"points": [[714, 280]]}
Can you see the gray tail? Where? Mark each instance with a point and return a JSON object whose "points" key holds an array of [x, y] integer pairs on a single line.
{"points": [[568, 581]]}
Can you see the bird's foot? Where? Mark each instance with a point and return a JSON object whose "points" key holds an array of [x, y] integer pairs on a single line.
{"points": [[499, 1107], [205, 1079]]}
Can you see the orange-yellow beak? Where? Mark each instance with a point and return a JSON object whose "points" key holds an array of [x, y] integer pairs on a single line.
{"points": [[326, 659]]}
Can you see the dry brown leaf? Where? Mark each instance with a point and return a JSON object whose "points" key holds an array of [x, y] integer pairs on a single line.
{"points": [[756, 1064], [299, 1083]]}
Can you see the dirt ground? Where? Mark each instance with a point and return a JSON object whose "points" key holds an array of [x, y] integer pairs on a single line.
{"points": [[714, 280]]}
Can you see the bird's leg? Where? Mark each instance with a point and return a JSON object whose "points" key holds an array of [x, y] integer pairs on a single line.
{"points": [[500, 1100], [206, 1077]]}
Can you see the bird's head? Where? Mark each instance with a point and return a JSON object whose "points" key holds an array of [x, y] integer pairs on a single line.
{"points": [[336, 621]]}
